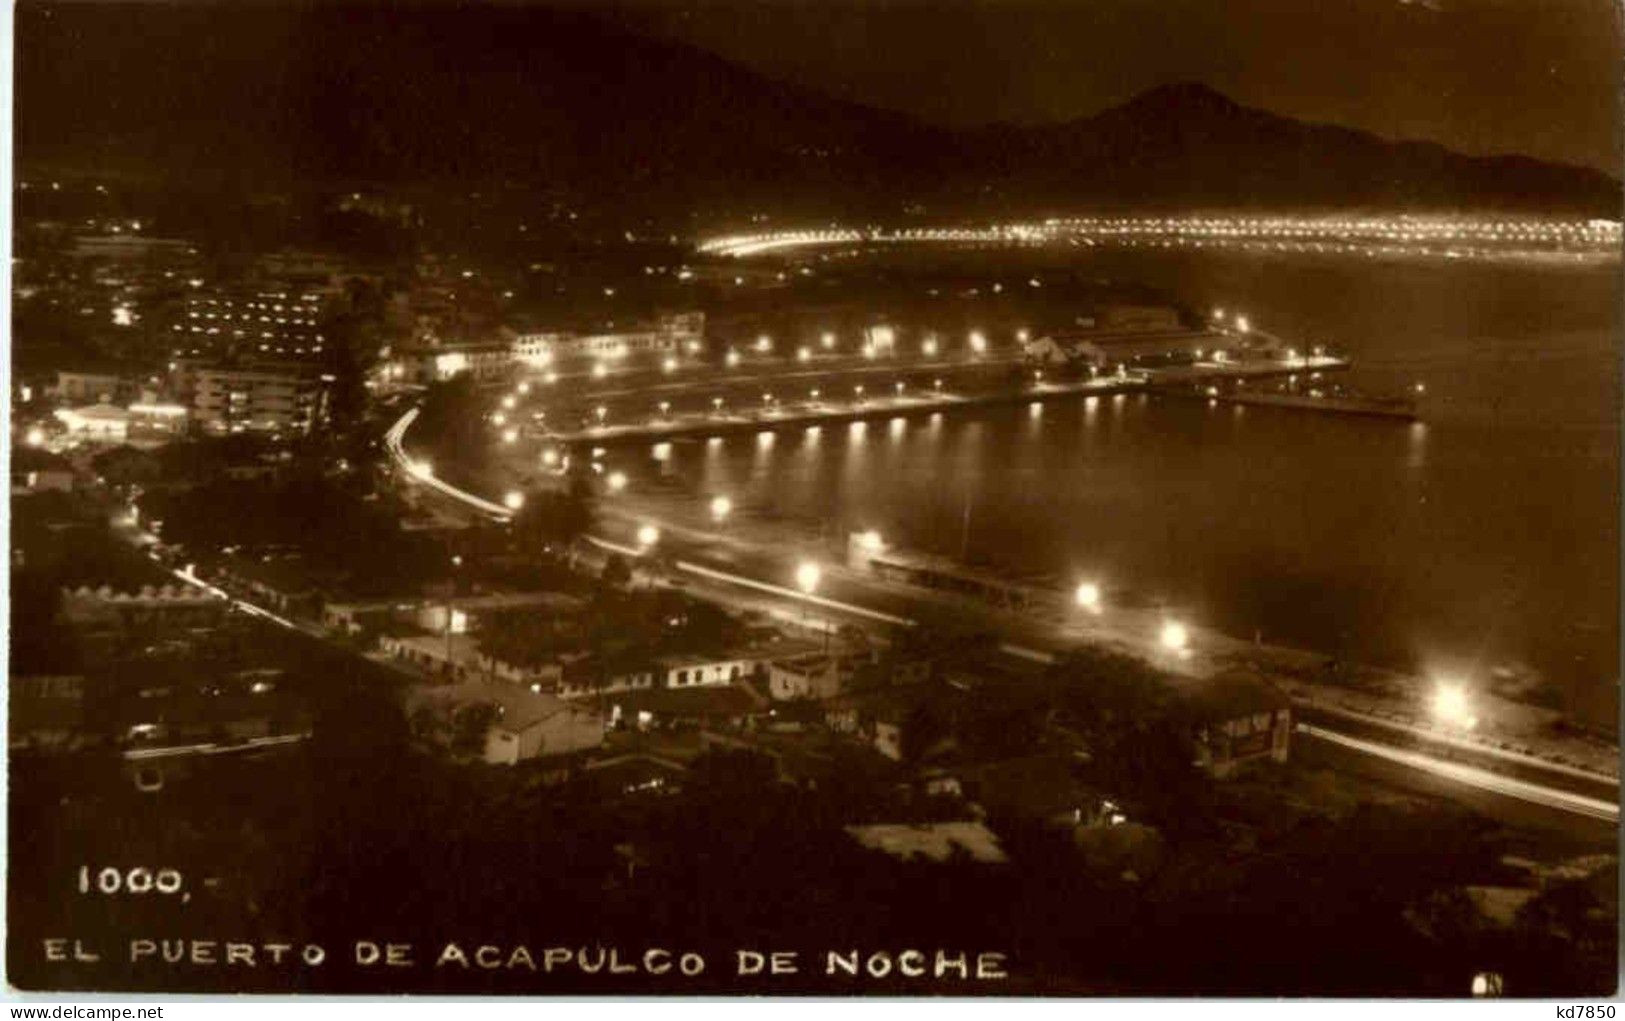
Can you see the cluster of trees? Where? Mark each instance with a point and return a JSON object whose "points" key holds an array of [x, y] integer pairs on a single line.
{"points": [[551, 520], [1140, 742], [620, 631], [451, 426], [330, 524], [355, 826], [459, 727]]}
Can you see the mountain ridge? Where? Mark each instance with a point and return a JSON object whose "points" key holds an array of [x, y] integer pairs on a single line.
{"points": [[431, 93]]}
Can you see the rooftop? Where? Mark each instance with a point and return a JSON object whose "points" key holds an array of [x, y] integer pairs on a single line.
{"points": [[1231, 694], [936, 842]]}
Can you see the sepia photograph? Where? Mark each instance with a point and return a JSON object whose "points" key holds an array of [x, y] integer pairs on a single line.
{"points": [[1108, 499]]}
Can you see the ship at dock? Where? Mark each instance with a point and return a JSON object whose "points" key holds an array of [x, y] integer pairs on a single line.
{"points": [[1317, 396]]}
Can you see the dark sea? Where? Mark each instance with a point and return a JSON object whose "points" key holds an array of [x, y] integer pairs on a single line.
{"points": [[1482, 544]]}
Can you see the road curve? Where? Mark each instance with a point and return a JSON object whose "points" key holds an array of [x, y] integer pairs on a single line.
{"points": [[1469, 776]]}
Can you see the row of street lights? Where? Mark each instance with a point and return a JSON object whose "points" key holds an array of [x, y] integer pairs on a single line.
{"points": [[769, 400], [1173, 636]]}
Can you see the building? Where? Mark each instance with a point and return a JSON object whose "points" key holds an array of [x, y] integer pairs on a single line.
{"points": [[539, 348], [808, 676], [45, 712], [1237, 718], [698, 670], [534, 726], [88, 387], [585, 677], [819, 675], [524, 725], [287, 584], [249, 323], [1108, 351], [462, 611], [272, 399], [667, 332], [877, 717], [635, 775], [935, 842], [166, 608], [726, 707], [95, 423], [1121, 335], [484, 361], [155, 422], [128, 247], [39, 471], [144, 423]]}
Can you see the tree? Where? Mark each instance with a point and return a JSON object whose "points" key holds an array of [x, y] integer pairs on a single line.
{"points": [[941, 637], [126, 466], [469, 724], [617, 572], [452, 423], [525, 638], [551, 520]]}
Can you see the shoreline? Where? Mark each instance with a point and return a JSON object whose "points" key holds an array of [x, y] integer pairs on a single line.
{"points": [[1507, 727], [885, 407]]}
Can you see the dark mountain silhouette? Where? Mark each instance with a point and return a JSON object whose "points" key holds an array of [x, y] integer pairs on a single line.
{"points": [[425, 93], [1185, 144]]}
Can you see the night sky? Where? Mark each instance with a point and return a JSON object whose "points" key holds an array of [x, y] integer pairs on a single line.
{"points": [[1539, 77]]}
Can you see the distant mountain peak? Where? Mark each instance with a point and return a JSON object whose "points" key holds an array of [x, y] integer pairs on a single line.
{"points": [[1185, 96]]}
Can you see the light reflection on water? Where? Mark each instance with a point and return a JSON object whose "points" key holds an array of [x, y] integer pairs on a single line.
{"points": [[1485, 537]]}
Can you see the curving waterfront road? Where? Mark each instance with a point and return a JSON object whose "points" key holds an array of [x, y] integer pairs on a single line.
{"points": [[1544, 793]]}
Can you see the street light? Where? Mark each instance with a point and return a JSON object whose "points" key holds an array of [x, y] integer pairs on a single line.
{"points": [[978, 341], [733, 358], [616, 481], [1088, 596], [550, 457], [1174, 637], [802, 354], [929, 348], [764, 343], [808, 575], [599, 371], [828, 340], [524, 388], [668, 365], [600, 411], [1451, 706], [721, 507], [648, 535], [514, 500], [510, 436], [508, 402]]}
